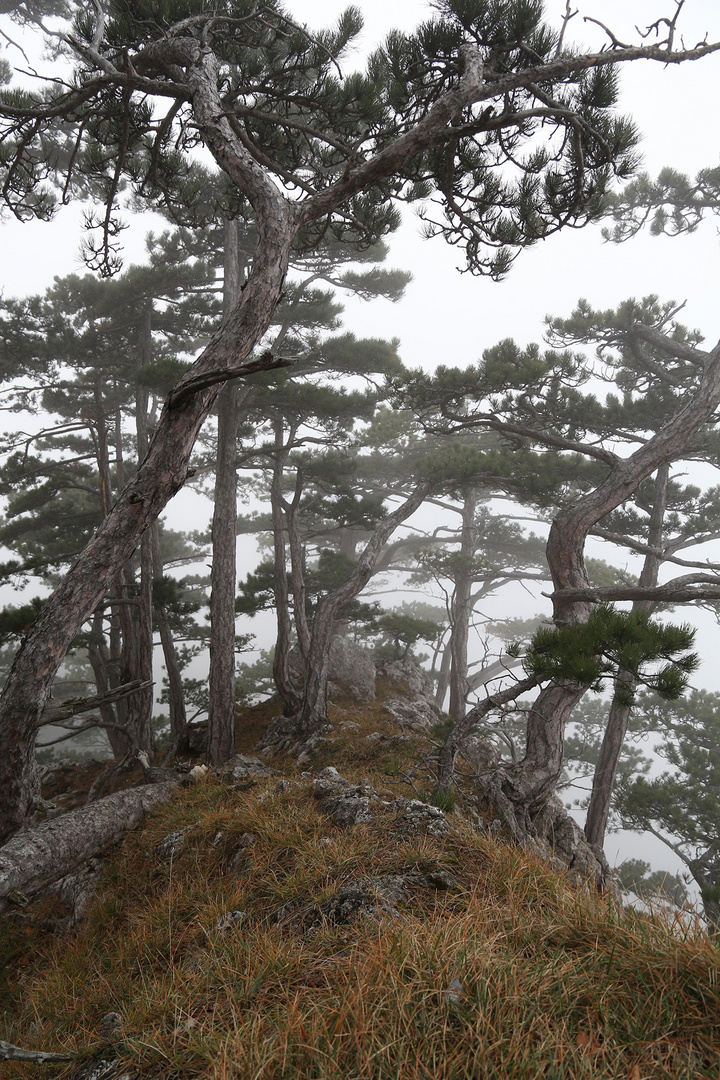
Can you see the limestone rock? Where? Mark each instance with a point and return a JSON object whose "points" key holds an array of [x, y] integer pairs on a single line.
{"points": [[346, 804], [381, 896], [172, 845], [230, 920], [352, 667], [241, 767], [417, 681], [110, 1025], [421, 817]]}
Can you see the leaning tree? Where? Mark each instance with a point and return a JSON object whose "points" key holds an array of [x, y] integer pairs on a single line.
{"points": [[484, 113], [607, 450]]}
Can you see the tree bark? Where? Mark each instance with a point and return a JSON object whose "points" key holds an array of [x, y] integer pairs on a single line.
{"points": [[176, 694], [619, 715], [161, 475], [454, 742], [461, 610], [99, 658], [443, 676], [34, 859], [281, 664], [223, 575]]}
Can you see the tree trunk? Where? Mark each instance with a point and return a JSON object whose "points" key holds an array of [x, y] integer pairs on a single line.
{"points": [[461, 610], [223, 576], [284, 681], [136, 617], [297, 565], [461, 729], [99, 658], [176, 694], [161, 475], [443, 676], [526, 787], [42, 855], [619, 715]]}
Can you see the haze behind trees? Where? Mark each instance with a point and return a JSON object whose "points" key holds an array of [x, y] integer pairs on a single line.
{"points": [[528, 789]]}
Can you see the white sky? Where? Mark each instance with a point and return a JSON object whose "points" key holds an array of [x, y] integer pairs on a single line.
{"points": [[448, 317]]}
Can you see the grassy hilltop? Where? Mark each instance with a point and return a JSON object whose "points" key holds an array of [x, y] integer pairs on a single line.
{"points": [[269, 942]]}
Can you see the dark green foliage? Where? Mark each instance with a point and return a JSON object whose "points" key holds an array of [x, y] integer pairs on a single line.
{"points": [[15, 621], [636, 875], [682, 806], [672, 204], [257, 590], [611, 641], [501, 184], [401, 631]]}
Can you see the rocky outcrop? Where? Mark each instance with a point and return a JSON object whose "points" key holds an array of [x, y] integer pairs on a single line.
{"points": [[345, 804], [352, 669]]}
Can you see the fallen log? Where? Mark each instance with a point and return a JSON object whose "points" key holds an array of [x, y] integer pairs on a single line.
{"points": [[8, 1052], [34, 859]]}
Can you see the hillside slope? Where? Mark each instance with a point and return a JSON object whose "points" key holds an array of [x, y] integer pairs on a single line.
{"points": [[321, 920]]}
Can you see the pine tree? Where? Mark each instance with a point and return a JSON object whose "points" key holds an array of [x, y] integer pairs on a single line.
{"points": [[682, 807], [436, 112]]}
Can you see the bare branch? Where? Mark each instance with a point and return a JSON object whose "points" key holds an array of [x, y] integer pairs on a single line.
{"points": [[55, 714]]}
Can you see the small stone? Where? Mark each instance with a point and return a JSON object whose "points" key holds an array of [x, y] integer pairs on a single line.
{"points": [[171, 845], [455, 992], [186, 1027], [331, 773], [111, 1024], [324, 841], [230, 920], [198, 773], [347, 810]]}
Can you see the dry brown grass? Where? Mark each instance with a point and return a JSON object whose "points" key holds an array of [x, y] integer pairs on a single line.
{"points": [[555, 982]]}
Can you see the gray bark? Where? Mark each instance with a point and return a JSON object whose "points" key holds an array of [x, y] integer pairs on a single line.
{"points": [[281, 660], [454, 742], [528, 785], [461, 610], [34, 859], [176, 694]]}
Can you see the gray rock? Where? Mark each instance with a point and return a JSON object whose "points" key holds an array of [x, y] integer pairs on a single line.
{"points": [[420, 817], [346, 804], [110, 1025], [418, 713], [172, 844], [347, 810], [411, 674], [352, 667], [455, 992], [382, 896], [243, 768], [230, 920]]}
